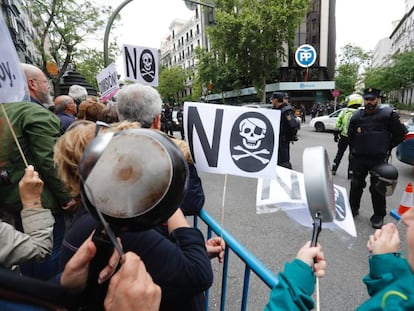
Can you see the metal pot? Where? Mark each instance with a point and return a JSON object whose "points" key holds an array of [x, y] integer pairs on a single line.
{"points": [[137, 178]]}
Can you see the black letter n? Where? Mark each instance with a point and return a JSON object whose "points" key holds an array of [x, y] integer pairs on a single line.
{"points": [[194, 121]]}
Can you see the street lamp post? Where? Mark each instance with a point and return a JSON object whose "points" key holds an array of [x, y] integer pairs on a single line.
{"points": [[108, 29], [116, 12]]}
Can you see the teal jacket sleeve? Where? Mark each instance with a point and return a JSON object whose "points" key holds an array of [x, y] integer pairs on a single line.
{"points": [[390, 284], [383, 270], [294, 289]]}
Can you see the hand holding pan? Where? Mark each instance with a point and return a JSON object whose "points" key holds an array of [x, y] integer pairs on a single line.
{"points": [[319, 192]]}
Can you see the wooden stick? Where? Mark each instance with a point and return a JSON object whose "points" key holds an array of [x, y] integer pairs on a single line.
{"points": [[14, 135]]}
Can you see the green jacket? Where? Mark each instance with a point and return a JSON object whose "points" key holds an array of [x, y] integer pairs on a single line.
{"points": [[343, 120], [37, 130], [294, 289], [390, 284]]}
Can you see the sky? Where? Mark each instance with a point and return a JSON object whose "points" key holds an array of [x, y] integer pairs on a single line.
{"points": [[364, 22], [359, 22]]}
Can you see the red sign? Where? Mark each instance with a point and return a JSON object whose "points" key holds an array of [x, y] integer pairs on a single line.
{"points": [[335, 93]]}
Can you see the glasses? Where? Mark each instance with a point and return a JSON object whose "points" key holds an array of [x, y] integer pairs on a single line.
{"points": [[43, 81]]}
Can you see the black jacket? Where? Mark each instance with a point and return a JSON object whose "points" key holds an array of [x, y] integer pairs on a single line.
{"points": [[179, 264]]}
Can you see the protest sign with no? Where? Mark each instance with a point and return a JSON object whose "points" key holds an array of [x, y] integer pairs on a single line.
{"points": [[12, 80]]}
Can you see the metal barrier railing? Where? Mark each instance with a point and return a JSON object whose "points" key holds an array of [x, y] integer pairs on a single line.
{"points": [[251, 262]]}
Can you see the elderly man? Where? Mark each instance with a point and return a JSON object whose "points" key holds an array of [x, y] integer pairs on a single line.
{"points": [[37, 130], [142, 103], [78, 93], [66, 109], [38, 85]]}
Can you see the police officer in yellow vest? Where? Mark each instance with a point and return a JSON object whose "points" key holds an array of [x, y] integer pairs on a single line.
{"points": [[353, 101]]}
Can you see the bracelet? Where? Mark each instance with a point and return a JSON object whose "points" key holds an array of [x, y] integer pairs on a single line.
{"points": [[32, 204]]}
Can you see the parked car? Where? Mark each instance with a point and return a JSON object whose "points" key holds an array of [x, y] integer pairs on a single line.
{"points": [[270, 106], [325, 123], [387, 105], [405, 150]]}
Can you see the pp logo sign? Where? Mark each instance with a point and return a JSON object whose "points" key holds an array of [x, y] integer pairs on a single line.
{"points": [[305, 55]]}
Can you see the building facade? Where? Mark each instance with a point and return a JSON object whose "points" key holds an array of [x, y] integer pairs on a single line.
{"points": [[177, 49], [318, 29], [402, 40], [17, 17]]}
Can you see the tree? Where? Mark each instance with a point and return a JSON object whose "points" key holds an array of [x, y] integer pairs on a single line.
{"points": [[253, 34], [380, 78], [353, 61], [403, 69], [89, 62], [63, 25], [216, 74], [171, 83], [398, 76]]}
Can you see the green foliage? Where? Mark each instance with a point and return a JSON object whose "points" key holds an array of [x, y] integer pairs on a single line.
{"points": [[250, 35], [352, 61], [395, 77], [171, 82], [217, 72], [403, 68], [63, 26], [89, 62]]}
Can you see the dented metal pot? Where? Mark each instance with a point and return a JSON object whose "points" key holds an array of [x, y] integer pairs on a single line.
{"points": [[137, 178]]}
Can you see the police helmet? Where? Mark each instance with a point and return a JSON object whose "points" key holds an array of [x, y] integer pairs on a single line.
{"points": [[387, 178], [354, 100]]}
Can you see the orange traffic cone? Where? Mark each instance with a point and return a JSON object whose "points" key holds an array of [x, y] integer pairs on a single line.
{"points": [[407, 200]]}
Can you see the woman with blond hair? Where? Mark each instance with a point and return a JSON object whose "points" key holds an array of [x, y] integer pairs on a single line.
{"points": [[179, 264]]}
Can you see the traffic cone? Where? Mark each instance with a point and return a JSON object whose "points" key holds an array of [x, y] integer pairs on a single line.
{"points": [[407, 200]]}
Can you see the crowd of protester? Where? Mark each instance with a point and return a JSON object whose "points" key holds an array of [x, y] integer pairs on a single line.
{"points": [[47, 232]]}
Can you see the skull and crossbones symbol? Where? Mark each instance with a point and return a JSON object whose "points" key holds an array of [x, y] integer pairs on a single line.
{"points": [[147, 61], [252, 131]]}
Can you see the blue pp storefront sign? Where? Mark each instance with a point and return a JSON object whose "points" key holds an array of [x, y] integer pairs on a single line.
{"points": [[305, 55]]}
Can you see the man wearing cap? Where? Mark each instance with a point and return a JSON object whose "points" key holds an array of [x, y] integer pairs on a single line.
{"points": [[372, 133], [288, 128]]}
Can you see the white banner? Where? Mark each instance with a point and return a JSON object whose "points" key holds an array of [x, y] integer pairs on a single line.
{"points": [[287, 192], [108, 82], [141, 64], [232, 139], [12, 79]]}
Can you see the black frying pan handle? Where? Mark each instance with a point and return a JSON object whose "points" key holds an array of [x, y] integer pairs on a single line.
{"points": [[95, 293], [317, 227]]}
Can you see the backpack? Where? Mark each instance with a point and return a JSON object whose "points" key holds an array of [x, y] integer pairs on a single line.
{"points": [[292, 124]]}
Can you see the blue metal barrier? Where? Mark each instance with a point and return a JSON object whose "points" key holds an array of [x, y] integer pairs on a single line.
{"points": [[251, 262]]}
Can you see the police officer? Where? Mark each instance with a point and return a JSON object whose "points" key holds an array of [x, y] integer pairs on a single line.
{"points": [[354, 101], [288, 128], [372, 133], [180, 119], [168, 119]]}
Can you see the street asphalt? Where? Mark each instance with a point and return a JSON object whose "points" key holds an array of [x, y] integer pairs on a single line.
{"points": [[275, 238]]}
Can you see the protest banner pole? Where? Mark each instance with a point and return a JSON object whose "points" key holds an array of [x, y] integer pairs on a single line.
{"points": [[14, 135]]}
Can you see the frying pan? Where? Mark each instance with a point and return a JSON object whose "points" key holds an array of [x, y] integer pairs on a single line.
{"points": [[318, 187], [319, 193], [135, 178]]}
